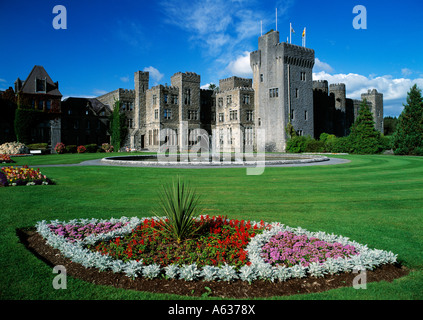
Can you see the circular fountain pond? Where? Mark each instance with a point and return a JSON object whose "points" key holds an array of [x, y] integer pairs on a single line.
{"points": [[222, 160]]}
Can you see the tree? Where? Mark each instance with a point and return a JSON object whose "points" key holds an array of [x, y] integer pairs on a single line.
{"points": [[408, 137], [364, 138], [118, 129], [389, 125]]}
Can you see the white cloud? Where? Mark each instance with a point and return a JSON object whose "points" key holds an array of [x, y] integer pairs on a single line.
{"points": [[99, 92], [155, 74], [406, 72], [394, 89], [241, 65], [322, 66], [124, 79], [2, 80], [223, 28]]}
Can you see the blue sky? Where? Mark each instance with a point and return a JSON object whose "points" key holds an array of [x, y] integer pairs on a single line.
{"points": [[107, 41]]}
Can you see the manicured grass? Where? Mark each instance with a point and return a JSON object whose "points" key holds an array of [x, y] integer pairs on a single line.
{"points": [[374, 200]]}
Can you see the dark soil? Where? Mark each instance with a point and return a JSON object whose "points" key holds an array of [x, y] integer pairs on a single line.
{"points": [[236, 289]]}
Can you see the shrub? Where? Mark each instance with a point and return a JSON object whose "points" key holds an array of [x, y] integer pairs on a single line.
{"points": [[339, 145], [81, 149], [37, 146], [107, 147], [179, 203], [297, 144], [313, 145], [71, 149], [91, 148], [60, 148]]}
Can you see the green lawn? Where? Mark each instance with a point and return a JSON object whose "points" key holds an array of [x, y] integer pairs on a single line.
{"points": [[376, 200]]}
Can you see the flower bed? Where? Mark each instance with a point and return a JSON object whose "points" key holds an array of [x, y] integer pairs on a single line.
{"points": [[133, 247], [4, 158], [23, 176]]}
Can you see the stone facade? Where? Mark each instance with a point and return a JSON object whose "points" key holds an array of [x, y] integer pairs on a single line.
{"points": [[234, 115], [334, 113], [282, 91], [282, 75]]}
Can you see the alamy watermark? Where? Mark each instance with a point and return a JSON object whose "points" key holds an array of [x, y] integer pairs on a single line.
{"points": [[196, 146], [60, 281], [360, 281], [60, 20], [360, 20]]}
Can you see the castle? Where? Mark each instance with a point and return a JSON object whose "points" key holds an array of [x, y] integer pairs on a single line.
{"points": [[282, 91], [182, 114]]}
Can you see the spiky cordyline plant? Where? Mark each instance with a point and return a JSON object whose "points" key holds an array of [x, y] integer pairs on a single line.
{"points": [[179, 204]]}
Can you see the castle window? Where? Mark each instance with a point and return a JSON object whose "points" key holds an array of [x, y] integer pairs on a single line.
{"points": [[175, 99], [154, 99], [167, 113], [229, 135], [229, 99], [250, 115], [246, 99], [165, 98], [274, 93], [131, 106], [48, 104], [261, 77], [156, 136], [40, 105], [192, 115], [187, 97], [296, 93], [221, 138], [40, 85], [292, 114], [156, 114], [249, 136], [233, 115], [300, 133], [259, 122], [220, 102], [150, 137], [303, 76], [305, 115], [221, 117]]}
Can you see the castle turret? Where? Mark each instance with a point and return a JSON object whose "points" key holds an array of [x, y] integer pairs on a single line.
{"points": [[141, 82], [189, 108], [376, 100], [338, 97]]}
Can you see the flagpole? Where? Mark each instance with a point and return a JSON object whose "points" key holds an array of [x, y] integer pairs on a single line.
{"points": [[290, 31], [261, 26], [305, 36], [276, 19]]}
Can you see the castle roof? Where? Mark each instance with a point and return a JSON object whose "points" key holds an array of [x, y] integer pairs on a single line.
{"points": [[38, 72]]}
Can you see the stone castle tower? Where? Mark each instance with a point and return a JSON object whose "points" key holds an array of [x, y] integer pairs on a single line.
{"points": [[283, 85]]}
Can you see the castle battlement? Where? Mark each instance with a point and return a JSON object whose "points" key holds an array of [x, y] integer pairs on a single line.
{"points": [[244, 89], [337, 86], [187, 76]]}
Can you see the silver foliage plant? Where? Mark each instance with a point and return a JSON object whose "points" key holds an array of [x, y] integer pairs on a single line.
{"points": [[367, 259]]}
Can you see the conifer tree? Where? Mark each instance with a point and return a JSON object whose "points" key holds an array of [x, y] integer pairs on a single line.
{"points": [[364, 138], [408, 137]]}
